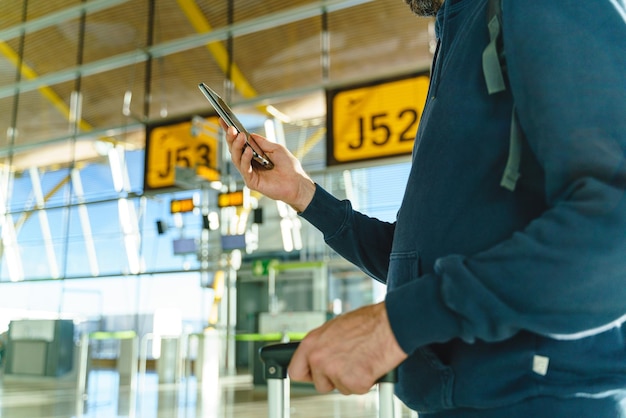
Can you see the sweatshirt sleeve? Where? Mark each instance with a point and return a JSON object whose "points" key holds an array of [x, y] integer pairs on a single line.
{"points": [[364, 241], [564, 275]]}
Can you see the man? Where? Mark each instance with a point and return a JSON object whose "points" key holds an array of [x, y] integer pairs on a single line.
{"points": [[500, 303]]}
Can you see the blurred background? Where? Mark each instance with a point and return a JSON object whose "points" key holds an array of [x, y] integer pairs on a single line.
{"points": [[118, 204]]}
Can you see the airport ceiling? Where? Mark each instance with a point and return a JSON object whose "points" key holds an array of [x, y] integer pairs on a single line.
{"points": [[139, 61]]}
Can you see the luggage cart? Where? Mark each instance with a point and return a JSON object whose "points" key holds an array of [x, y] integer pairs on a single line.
{"points": [[276, 358]]}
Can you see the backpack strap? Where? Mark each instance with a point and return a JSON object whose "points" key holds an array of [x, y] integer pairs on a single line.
{"points": [[494, 68], [492, 57], [511, 171]]}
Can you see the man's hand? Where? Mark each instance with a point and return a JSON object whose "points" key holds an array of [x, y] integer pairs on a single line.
{"points": [[349, 352], [287, 181]]}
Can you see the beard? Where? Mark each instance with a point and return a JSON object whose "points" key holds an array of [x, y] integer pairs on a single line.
{"points": [[424, 7]]}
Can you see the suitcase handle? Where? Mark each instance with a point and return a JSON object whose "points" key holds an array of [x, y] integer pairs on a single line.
{"points": [[277, 357]]}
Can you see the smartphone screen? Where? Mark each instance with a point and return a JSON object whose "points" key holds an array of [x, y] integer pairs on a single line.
{"points": [[229, 117]]}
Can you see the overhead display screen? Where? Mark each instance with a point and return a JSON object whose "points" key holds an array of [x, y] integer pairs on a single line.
{"points": [[191, 144]]}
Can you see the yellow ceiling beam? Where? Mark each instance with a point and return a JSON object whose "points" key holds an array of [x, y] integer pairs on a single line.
{"points": [[218, 50], [30, 74], [49, 94], [220, 54], [201, 25], [310, 143], [26, 215]]}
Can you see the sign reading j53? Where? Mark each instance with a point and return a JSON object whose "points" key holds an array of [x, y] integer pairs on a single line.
{"points": [[375, 120], [187, 144]]}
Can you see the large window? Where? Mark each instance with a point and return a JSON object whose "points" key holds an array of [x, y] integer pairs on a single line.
{"points": [[81, 81]]}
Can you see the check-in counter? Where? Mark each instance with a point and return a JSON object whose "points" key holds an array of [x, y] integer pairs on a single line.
{"points": [[40, 347]]}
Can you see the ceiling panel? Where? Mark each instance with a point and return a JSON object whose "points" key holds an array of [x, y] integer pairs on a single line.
{"points": [[374, 39]]}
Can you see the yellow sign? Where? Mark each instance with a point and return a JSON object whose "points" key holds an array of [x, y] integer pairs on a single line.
{"points": [[375, 121], [190, 144], [182, 206], [225, 200]]}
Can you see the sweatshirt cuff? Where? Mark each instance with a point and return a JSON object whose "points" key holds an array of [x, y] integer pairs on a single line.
{"points": [[418, 315], [326, 212]]}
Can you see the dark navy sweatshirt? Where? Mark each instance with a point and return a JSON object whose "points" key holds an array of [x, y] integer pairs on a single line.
{"points": [[500, 296]]}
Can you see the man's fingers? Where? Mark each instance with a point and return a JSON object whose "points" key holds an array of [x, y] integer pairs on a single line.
{"points": [[299, 369], [231, 136], [245, 162], [240, 153], [322, 383], [237, 148], [223, 124]]}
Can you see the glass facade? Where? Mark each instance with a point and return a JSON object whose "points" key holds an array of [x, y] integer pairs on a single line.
{"points": [[80, 237]]}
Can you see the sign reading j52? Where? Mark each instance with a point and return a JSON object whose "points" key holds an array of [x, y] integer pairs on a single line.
{"points": [[187, 144], [375, 120]]}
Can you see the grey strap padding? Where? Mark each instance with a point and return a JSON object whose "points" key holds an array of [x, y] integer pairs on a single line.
{"points": [[511, 171], [492, 67], [494, 78]]}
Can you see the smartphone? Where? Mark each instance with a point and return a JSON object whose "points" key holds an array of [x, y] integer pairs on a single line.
{"points": [[229, 117]]}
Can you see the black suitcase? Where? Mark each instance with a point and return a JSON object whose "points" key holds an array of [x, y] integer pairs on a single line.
{"points": [[276, 358]]}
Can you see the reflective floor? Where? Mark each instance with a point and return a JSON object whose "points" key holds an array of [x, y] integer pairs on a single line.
{"points": [[232, 397]]}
